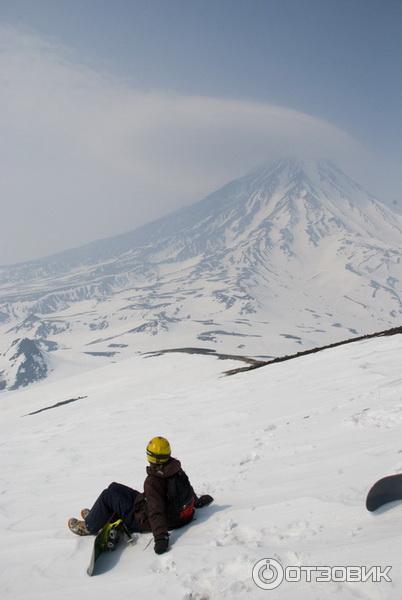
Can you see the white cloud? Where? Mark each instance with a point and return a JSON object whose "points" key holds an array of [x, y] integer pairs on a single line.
{"points": [[84, 155]]}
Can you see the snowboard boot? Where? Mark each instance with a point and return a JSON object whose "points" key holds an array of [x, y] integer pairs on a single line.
{"points": [[78, 527], [85, 512]]}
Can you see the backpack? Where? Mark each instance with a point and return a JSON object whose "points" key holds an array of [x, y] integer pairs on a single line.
{"points": [[180, 497]]}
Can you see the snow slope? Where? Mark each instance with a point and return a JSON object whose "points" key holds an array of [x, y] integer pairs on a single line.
{"points": [[288, 451]]}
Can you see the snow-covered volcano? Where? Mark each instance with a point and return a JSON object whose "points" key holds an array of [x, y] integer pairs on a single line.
{"points": [[293, 254]]}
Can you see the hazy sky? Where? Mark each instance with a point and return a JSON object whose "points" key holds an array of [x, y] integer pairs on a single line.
{"points": [[114, 113]]}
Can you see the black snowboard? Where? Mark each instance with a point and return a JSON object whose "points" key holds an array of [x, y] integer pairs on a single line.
{"points": [[107, 540], [385, 490]]}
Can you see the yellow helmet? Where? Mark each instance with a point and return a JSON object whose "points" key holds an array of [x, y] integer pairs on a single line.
{"points": [[158, 450]]}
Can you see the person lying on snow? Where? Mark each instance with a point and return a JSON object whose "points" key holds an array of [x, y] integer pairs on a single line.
{"points": [[168, 501]]}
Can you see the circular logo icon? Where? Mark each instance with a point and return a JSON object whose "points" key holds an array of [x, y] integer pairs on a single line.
{"points": [[268, 573]]}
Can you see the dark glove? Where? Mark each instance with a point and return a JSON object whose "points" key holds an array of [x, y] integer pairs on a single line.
{"points": [[161, 544], [203, 501]]}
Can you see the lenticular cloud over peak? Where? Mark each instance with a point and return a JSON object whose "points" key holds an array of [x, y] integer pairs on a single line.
{"points": [[110, 157]]}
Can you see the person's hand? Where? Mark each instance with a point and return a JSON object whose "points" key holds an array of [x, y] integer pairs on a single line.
{"points": [[203, 501], [161, 544]]}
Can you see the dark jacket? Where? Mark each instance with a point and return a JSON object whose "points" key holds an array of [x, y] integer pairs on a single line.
{"points": [[150, 508]]}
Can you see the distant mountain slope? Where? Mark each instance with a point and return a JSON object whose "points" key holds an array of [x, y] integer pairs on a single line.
{"points": [[26, 362], [317, 190], [293, 255]]}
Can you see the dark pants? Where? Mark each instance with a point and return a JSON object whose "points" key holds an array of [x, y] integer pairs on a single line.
{"points": [[116, 501]]}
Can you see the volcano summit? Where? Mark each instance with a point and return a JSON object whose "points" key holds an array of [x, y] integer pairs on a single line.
{"points": [[293, 255]]}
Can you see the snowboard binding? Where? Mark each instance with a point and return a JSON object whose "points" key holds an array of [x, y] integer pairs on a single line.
{"points": [[113, 536]]}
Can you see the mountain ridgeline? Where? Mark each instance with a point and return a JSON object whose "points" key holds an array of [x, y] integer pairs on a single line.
{"points": [[291, 256]]}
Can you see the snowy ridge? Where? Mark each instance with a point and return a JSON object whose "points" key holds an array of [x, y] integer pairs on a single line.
{"points": [[27, 362], [294, 254]]}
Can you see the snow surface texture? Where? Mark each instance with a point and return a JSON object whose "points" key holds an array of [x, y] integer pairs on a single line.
{"points": [[291, 256], [288, 451]]}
